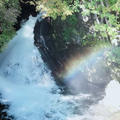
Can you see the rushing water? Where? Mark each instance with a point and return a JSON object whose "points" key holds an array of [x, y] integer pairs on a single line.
{"points": [[27, 86]]}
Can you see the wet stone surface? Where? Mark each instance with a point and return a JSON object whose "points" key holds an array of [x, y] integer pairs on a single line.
{"points": [[3, 111]]}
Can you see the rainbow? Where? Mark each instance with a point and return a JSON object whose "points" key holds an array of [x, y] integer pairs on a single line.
{"points": [[78, 61]]}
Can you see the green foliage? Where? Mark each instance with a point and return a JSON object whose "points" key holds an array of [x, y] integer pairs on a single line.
{"points": [[105, 23], [9, 10], [113, 61], [70, 32], [112, 2], [55, 8], [106, 15], [70, 27], [5, 37], [114, 55]]}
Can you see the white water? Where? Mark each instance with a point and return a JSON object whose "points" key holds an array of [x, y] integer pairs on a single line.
{"points": [[27, 85], [25, 81]]}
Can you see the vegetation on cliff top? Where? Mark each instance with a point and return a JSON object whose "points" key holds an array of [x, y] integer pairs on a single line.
{"points": [[101, 18], [83, 22]]}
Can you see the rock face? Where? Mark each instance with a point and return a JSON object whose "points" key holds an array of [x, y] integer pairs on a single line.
{"points": [[90, 78], [45, 43], [54, 50], [3, 111]]}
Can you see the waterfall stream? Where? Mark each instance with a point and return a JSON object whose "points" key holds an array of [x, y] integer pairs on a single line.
{"points": [[27, 86]]}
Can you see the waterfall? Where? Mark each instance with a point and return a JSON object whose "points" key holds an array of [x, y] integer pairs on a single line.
{"points": [[26, 84]]}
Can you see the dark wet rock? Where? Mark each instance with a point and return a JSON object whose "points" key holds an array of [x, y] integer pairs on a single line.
{"points": [[44, 41], [53, 55], [55, 51], [3, 111], [1, 30]]}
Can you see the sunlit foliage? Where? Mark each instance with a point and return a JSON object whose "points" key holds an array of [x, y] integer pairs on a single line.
{"points": [[101, 18], [105, 16], [56, 8]]}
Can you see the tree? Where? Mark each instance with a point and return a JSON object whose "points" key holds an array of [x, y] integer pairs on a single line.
{"points": [[9, 10], [105, 13], [55, 8]]}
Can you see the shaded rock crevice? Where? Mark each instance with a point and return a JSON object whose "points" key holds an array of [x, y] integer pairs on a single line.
{"points": [[45, 42]]}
